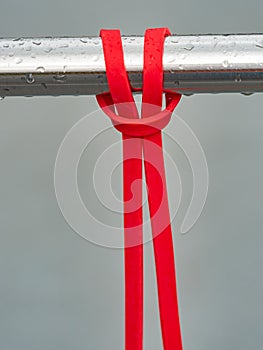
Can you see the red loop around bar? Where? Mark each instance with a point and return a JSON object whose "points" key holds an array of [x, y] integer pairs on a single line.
{"points": [[139, 127], [119, 105]]}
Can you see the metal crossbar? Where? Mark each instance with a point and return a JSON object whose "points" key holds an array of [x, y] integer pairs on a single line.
{"points": [[75, 66]]}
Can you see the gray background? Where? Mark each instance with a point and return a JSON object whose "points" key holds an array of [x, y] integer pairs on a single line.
{"points": [[58, 291]]}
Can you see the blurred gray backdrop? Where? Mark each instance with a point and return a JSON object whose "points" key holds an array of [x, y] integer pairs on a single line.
{"points": [[58, 291]]}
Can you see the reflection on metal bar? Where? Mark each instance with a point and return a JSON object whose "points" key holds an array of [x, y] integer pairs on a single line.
{"points": [[75, 66]]}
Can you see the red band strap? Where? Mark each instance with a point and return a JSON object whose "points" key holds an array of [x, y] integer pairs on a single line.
{"points": [[157, 192], [121, 96], [143, 135]]}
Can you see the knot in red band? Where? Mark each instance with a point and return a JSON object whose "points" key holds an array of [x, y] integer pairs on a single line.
{"points": [[139, 127]]}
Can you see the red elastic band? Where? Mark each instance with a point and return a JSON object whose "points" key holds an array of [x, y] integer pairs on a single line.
{"points": [[132, 170], [157, 192], [142, 134]]}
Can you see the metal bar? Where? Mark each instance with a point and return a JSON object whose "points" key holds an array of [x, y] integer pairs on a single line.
{"points": [[75, 66]]}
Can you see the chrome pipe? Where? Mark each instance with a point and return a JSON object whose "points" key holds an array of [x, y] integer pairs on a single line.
{"points": [[75, 65]]}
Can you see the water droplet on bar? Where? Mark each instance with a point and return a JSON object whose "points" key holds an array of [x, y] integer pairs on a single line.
{"points": [[225, 63], [37, 42], [259, 44], [170, 59], [40, 69], [48, 49], [247, 93], [189, 47], [238, 79], [30, 79], [60, 78], [18, 60]]}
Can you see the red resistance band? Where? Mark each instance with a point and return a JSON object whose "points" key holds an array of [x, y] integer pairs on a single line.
{"points": [[142, 139]]}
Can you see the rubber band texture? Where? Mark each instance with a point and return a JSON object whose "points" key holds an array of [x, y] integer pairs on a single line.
{"points": [[139, 135]]}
